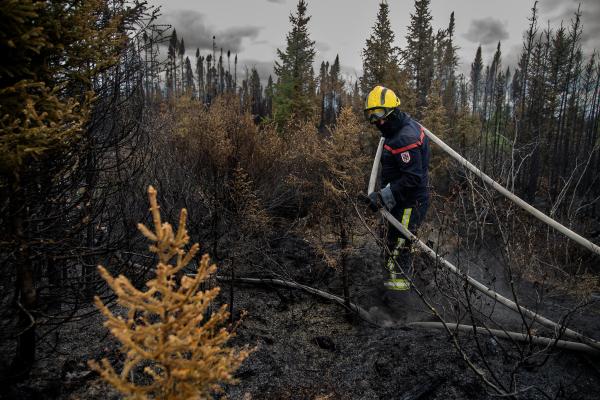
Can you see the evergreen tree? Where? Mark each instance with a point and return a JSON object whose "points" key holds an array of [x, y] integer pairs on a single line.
{"points": [[295, 77], [381, 65], [380, 57], [418, 54], [476, 69]]}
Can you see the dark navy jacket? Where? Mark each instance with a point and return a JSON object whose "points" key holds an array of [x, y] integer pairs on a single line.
{"points": [[405, 162]]}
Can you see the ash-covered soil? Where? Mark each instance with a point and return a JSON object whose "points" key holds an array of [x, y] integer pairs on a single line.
{"points": [[308, 348]]}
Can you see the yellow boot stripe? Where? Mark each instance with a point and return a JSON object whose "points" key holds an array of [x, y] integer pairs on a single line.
{"points": [[406, 217], [391, 263], [397, 284], [401, 241]]}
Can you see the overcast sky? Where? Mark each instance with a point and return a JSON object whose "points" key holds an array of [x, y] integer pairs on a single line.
{"points": [[256, 28]]}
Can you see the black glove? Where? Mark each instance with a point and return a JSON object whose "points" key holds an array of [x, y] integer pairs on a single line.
{"points": [[375, 201]]}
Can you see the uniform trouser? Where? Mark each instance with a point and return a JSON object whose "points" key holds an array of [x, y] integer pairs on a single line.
{"points": [[400, 254]]}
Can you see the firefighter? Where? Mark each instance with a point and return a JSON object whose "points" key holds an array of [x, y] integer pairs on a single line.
{"points": [[404, 177]]}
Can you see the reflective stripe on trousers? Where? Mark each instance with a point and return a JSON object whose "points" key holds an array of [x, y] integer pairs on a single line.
{"points": [[391, 263]]}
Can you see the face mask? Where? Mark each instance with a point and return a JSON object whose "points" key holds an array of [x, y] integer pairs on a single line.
{"points": [[390, 126]]}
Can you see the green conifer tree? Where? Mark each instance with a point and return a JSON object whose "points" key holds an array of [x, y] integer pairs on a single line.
{"points": [[380, 62], [380, 57], [419, 52], [294, 95]]}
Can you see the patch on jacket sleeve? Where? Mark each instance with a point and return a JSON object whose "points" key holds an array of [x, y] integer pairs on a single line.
{"points": [[405, 157]]}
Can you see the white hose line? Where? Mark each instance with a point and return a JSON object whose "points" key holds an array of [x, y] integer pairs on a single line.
{"points": [[479, 286], [512, 197], [535, 317], [375, 169], [521, 337]]}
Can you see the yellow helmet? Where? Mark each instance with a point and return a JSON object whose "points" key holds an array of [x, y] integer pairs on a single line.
{"points": [[380, 102]]}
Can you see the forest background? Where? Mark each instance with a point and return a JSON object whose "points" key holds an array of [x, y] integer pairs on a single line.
{"points": [[92, 113]]}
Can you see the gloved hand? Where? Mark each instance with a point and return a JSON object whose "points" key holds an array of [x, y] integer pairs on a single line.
{"points": [[374, 201]]}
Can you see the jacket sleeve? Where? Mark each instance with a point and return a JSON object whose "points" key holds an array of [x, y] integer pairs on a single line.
{"points": [[411, 177]]}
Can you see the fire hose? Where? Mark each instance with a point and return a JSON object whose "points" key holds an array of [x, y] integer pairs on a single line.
{"points": [[590, 343]]}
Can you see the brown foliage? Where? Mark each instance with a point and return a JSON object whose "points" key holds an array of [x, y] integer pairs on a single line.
{"points": [[343, 176], [164, 332], [256, 183]]}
